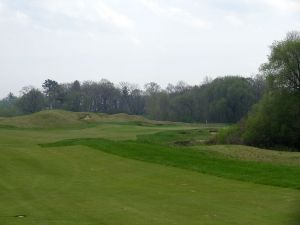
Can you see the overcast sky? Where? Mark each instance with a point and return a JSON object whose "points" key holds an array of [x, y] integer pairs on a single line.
{"points": [[137, 40]]}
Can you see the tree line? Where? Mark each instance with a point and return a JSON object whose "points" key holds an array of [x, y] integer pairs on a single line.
{"points": [[224, 99]]}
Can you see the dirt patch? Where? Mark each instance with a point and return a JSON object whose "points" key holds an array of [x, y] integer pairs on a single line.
{"points": [[87, 117]]}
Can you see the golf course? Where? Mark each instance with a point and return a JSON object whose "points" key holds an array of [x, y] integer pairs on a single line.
{"points": [[66, 168], [149, 112]]}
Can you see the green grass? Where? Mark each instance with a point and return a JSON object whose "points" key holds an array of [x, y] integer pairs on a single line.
{"points": [[81, 185], [200, 161]]}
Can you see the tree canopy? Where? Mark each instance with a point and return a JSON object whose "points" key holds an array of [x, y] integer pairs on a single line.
{"points": [[283, 68], [275, 120]]}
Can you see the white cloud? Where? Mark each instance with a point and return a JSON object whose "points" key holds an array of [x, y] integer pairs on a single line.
{"points": [[280, 6], [93, 11], [176, 14], [286, 5], [112, 16], [22, 17], [11, 15], [135, 40], [234, 20]]}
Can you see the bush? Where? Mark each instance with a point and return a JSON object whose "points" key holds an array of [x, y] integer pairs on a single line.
{"points": [[274, 121], [229, 135]]}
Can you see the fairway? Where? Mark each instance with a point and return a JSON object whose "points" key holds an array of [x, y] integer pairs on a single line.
{"points": [[105, 172]]}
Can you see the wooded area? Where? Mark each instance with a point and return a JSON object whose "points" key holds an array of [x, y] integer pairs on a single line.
{"points": [[225, 99]]}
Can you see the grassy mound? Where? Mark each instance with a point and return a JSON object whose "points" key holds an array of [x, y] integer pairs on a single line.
{"points": [[65, 119], [44, 119]]}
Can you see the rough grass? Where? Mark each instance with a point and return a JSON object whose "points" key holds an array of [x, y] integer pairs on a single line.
{"points": [[247, 153]]}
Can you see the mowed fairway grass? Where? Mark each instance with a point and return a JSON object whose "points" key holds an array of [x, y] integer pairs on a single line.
{"points": [[122, 170]]}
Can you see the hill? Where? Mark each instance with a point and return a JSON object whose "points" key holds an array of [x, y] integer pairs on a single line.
{"points": [[65, 119]]}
